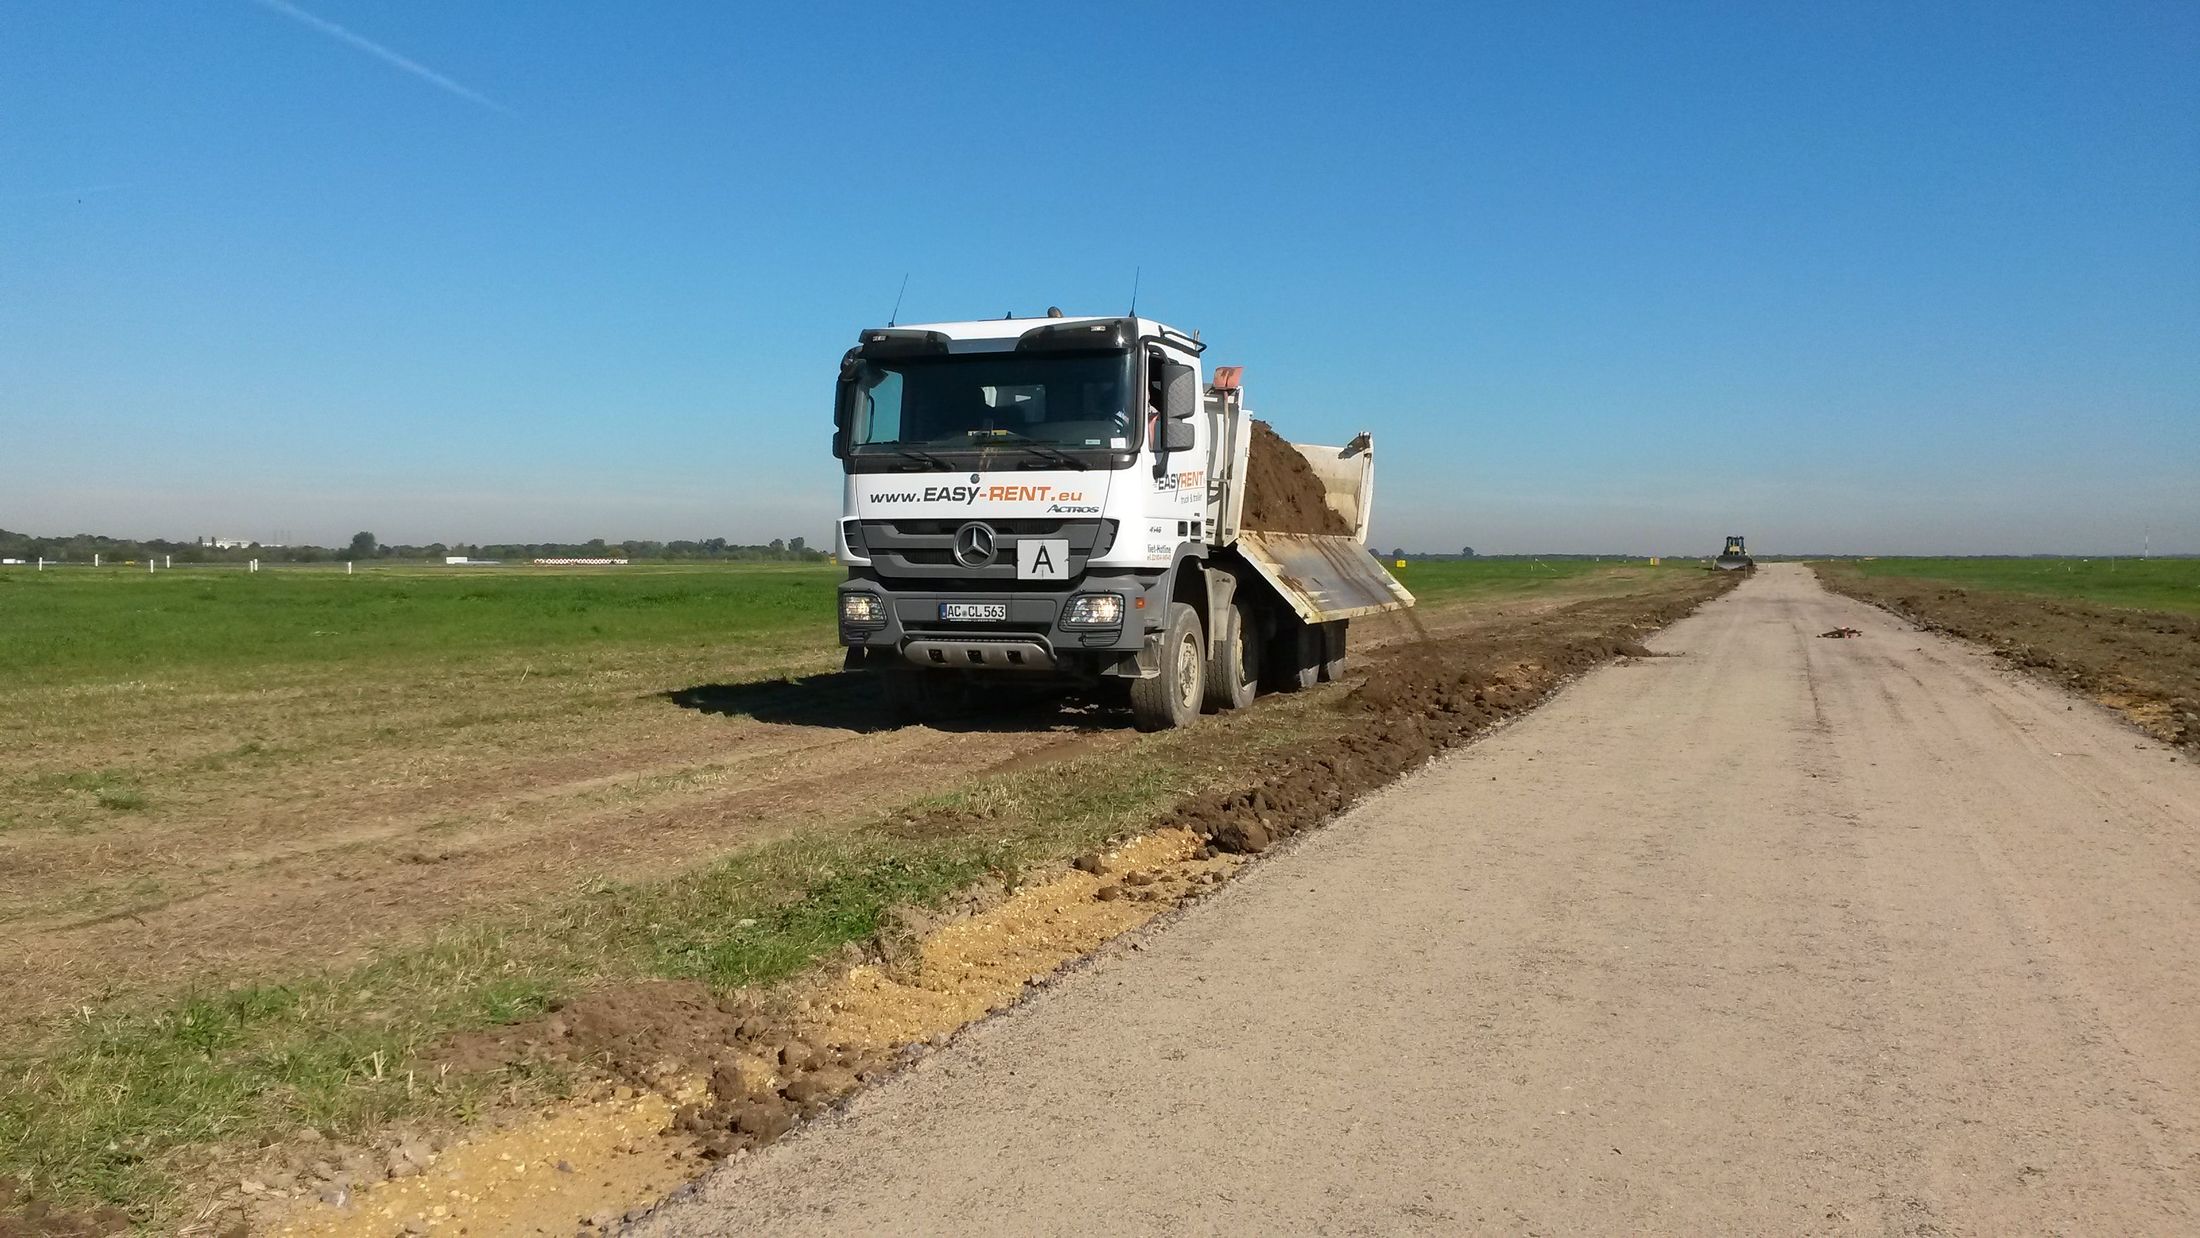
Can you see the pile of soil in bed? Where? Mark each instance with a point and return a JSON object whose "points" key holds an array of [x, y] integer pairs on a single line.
{"points": [[1282, 494]]}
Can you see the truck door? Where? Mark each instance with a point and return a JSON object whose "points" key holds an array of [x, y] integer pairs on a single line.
{"points": [[1179, 444]]}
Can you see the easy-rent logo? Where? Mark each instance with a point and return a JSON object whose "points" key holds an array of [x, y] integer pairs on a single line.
{"points": [[1189, 480], [970, 494]]}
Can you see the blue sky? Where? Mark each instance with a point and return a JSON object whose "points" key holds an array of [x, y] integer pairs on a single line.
{"points": [[1851, 277]]}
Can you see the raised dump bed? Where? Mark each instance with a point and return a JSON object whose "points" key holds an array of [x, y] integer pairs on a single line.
{"points": [[1300, 521]]}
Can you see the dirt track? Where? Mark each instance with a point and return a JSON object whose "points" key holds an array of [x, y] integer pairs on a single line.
{"points": [[1786, 934]]}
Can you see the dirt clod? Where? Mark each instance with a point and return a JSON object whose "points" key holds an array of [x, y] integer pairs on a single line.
{"points": [[824, 1085], [763, 1120], [23, 1215]]}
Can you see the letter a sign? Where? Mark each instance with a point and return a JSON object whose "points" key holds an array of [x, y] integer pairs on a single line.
{"points": [[1042, 558]]}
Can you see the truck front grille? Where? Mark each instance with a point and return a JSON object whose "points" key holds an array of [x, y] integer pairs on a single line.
{"points": [[916, 548]]}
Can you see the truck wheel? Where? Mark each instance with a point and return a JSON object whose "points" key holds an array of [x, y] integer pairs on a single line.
{"points": [[1295, 657], [1333, 650], [1233, 663], [1172, 698]]}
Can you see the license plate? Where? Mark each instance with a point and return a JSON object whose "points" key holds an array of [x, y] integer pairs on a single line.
{"points": [[974, 612]]}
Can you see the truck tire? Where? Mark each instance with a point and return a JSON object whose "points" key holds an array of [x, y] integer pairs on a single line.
{"points": [[1294, 657], [1172, 698], [1333, 649], [1233, 663]]}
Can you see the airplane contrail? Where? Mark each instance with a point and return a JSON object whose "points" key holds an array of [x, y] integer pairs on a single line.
{"points": [[380, 52]]}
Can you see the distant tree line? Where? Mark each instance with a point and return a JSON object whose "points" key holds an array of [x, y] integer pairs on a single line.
{"points": [[364, 546]]}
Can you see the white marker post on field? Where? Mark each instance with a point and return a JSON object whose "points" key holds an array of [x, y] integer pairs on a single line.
{"points": [[95, 559], [347, 567]]}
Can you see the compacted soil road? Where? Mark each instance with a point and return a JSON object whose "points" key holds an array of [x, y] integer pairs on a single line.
{"points": [[1782, 934]]}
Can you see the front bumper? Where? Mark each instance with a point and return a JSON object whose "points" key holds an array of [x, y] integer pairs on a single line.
{"points": [[1031, 638]]}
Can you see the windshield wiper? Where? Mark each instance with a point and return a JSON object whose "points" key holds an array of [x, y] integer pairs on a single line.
{"points": [[911, 453], [1055, 454]]}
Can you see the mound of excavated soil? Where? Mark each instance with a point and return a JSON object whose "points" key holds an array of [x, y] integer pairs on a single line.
{"points": [[1282, 495]]}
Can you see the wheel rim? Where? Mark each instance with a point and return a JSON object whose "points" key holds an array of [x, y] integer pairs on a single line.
{"points": [[1187, 673]]}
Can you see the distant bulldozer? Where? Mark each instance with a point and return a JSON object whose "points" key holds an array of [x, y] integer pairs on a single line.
{"points": [[1735, 558]]}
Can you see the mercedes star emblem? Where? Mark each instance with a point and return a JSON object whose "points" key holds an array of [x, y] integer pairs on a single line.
{"points": [[974, 544]]}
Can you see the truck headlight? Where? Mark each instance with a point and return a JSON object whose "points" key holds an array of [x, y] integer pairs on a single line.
{"points": [[1094, 610], [862, 610]]}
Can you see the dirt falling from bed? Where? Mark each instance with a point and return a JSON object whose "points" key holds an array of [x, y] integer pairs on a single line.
{"points": [[1282, 494]]}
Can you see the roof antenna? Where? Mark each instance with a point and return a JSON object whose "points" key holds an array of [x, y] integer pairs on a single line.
{"points": [[1135, 273], [895, 317]]}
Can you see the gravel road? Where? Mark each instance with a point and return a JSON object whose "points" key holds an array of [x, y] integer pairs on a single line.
{"points": [[1783, 934]]}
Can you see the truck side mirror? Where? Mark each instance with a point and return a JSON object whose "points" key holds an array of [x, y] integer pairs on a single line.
{"points": [[843, 416], [1177, 435], [1179, 391]]}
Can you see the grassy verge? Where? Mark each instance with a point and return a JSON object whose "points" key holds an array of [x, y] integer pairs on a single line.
{"points": [[2143, 584]]}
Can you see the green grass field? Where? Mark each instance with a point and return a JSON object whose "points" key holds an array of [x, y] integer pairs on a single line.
{"points": [[1437, 582], [94, 624], [2144, 584]]}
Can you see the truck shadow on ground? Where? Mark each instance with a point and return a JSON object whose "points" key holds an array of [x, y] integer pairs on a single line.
{"points": [[849, 701]]}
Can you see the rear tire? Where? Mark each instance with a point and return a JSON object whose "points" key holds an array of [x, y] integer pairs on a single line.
{"points": [[1294, 657], [1233, 662], [1333, 636], [1172, 698]]}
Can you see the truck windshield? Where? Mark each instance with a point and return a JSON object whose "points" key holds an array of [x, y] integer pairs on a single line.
{"points": [[1079, 401]]}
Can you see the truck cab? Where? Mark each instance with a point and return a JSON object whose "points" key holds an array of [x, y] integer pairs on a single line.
{"points": [[1016, 491]]}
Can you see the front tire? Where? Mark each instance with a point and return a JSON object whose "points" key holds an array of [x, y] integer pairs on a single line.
{"points": [[1172, 698]]}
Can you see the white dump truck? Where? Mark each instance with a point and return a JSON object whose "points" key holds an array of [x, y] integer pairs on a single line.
{"points": [[1067, 497]]}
